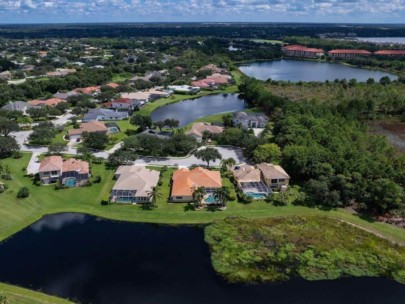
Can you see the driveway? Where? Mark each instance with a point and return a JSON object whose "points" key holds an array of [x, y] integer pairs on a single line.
{"points": [[226, 152]]}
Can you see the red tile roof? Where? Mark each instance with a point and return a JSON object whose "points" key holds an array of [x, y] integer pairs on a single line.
{"points": [[357, 52], [122, 100], [302, 48], [391, 52]]}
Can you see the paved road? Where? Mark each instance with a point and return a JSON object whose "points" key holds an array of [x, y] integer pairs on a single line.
{"points": [[226, 152]]}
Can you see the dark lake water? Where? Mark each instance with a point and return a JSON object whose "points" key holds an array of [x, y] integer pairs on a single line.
{"points": [[98, 261], [301, 70], [189, 110]]}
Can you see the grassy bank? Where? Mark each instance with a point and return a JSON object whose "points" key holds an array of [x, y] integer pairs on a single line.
{"points": [[18, 295], [16, 214], [311, 247]]}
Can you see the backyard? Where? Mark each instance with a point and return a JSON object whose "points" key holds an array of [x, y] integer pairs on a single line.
{"points": [[17, 214]]}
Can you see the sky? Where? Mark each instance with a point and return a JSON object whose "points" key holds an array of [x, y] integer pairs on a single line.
{"points": [[73, 11]]}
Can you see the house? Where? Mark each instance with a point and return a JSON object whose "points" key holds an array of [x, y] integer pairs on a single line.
{"points": [[274, 176], [213, 68], [390, 53], [198, 129], [6, 75], [203, 83], [61, 72], [103, 115], [123, 103], [134, 184], [348, 53], [70, 172], [250, 120], [89, 127], [302, 51], [89, 90], [184, 89], [249, 181], [141, 97], [52, 102], [156, 93], [185, 182], [19, 106], [42, 54]]}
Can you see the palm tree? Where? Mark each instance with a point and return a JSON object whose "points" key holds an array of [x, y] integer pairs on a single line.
{"points": [[228, 163], [198, 195], [221, 195], [154, 195]]}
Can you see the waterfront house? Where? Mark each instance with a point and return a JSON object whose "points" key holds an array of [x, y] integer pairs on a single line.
{"points": [[137, 97], [274, 176], [183, 89], [250, 120], [348, 53], [70, 172], [390, 53], [302, 51], [104, 115], [185, 182], [133, 185], [89, 127], [249, 181], [198, 129]]}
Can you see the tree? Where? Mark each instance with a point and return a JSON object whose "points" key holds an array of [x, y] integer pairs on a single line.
{"points": [[37, 113], [62, 106], [95, 140], [198, 195], [221, 195], [23, 192], [228, 163], [154, 194], [385, 80], [8, 126], [144, 122], [160, 124], [56, 148], [267, 153], [227, 120], [8, 145], [208, 155], [172, 123], [25, 122]]}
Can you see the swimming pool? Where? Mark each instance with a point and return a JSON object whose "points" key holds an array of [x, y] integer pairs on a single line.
{"points": [[210, 199], [70, 182], [256, 195]]}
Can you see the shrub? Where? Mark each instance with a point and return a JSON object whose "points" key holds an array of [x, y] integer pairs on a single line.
{"points": [[97, 179], [232, 197], [3, 298], [160, 183], [23, 192]]}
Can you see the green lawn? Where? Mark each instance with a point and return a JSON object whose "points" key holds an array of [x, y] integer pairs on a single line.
{"points": [[17, 214], [18, 295]]}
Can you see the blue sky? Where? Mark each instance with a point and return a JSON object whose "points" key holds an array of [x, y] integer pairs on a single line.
{"points": [[45, 11]]}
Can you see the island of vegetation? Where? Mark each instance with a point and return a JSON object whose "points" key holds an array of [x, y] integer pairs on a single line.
{"points": [[310, 247]]}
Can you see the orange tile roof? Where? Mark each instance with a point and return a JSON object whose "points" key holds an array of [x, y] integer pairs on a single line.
{"points": [[92, 126], [88, 90], [185, 180], [51, 163], [301, 48], [77, 165], [112, 85], [358, 52], [391, 52], [46, 102]]}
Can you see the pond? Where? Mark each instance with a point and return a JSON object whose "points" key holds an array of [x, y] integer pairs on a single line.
{"points": [[99, 261], [189, 110], [301, 70]]}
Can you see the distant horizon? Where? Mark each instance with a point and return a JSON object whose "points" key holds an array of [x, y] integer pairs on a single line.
{"points": [[190, 11]]}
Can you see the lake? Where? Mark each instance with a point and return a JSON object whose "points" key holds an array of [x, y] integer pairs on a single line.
{"points": [[99, 261], [301, 70], [189, 110], [383, 40]]}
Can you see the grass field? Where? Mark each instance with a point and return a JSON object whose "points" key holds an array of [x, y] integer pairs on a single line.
{"points": [[18, 295], [17, 214]]}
